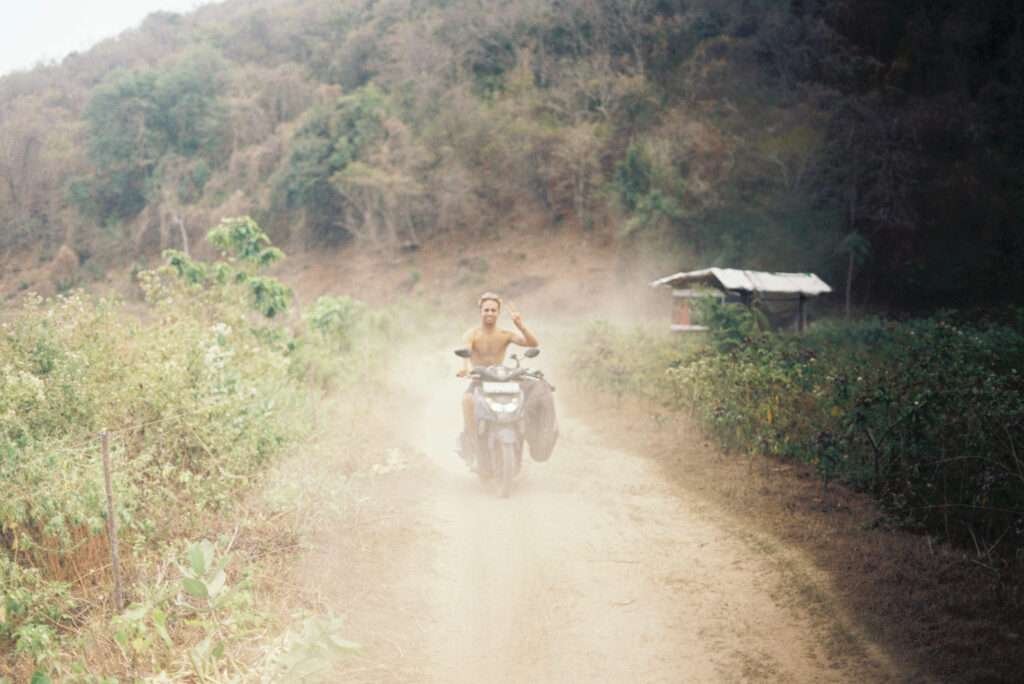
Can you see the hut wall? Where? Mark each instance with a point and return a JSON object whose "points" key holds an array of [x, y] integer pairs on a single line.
{"points": [[680, 311]]}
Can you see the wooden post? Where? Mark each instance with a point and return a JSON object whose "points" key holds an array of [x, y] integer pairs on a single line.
{"points": [[115, 561], [802, 314]]}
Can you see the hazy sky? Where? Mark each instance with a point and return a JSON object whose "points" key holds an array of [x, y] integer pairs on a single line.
{"points": [[45, 30]]}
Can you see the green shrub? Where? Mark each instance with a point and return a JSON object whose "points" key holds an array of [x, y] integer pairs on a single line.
{"points": [[331, 138], [28, 603], [928, 415], [247, 249], [633, 177], [345, 341], [242, 239], [136, 118], [337, 320], [731, 325], [191, 184], [198, 395], [631, 361]]}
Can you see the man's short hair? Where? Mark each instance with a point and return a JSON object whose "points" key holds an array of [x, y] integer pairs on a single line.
{"points": [[488, 297]]}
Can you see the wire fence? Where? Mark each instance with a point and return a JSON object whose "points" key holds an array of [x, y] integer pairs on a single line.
{"points": [[103, 443]]}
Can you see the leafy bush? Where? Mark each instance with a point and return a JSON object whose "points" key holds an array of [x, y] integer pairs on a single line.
{"points": [[136, 118], [188, 179], [247, 249], [331, 138], [731, 325], [346, 342], [650, 187], [928, 415], [336, 320], [28, 606], [243, 239], [199, 395], [191, 619], [309, 651], [630, 362], [633, 177]]}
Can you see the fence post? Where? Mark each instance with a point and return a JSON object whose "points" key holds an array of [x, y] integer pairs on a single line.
{"points": [[115, 561]]}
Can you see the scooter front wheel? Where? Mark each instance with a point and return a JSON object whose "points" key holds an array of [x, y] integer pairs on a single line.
{"points": [[508, 468]]}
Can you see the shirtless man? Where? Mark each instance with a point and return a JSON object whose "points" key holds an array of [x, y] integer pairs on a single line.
{"points": [[487, 346]]}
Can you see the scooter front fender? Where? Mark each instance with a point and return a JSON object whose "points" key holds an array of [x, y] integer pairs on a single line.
{"points": [[507, 435]]}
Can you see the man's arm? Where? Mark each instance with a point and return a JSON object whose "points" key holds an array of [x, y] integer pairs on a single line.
{"points": [[467, 365], [524, 338]]}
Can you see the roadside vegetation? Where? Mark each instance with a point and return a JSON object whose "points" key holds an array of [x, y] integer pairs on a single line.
{"points": [[201, 392], [925, 415]]}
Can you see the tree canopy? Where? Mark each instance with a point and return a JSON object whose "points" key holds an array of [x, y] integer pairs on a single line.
{"points": [[749, 134]]}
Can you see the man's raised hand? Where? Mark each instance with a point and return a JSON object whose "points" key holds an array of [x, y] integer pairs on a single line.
{"points": [[516, 317]]}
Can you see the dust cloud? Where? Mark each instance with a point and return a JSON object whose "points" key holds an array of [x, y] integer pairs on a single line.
{"points": [[594, 570]]}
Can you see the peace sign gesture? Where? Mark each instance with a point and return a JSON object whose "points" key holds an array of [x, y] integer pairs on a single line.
{"points": [[514, 314]]}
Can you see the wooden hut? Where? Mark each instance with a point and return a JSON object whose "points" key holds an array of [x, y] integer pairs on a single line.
{"points": [[781, 297]]}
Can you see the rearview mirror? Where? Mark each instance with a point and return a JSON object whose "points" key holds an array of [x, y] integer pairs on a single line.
{"points": [[462, 353], [531, 352]]}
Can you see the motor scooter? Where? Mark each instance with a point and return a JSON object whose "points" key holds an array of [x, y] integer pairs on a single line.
{"points": [[498, 404]]}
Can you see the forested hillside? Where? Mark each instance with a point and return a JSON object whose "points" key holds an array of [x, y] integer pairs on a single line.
{"points": [[878, 139]]}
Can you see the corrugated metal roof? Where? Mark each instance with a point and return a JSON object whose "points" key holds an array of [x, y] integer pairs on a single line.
{"points": [[749, 281]]}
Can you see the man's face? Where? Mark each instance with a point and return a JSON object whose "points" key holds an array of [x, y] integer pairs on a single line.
{"points": [[489, 312]]}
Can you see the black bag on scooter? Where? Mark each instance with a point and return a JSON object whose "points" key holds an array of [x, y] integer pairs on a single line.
{"points": [[541, 422]]}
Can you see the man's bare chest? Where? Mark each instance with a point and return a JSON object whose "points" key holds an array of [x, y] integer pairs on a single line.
{"points": [[490, 345]]}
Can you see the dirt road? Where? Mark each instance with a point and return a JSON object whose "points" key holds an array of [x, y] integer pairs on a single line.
{"points": [[595, 570]]}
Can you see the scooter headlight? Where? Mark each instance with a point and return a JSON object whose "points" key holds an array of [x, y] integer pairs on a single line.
{"points": [[502, 406]]}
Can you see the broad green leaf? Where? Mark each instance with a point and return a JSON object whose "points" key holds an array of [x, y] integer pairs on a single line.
{"points": [[200, 557], [196, 559], [208, 550], [195, 587], [216, 585], [40, 678]]}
